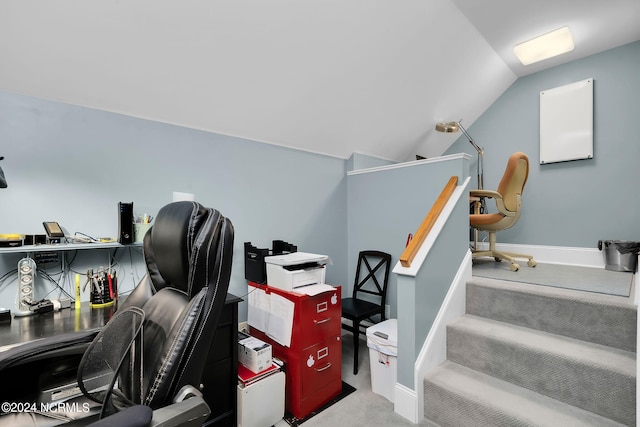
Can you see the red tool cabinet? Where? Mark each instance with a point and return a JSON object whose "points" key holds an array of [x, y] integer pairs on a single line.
{"points": [[313, 362]]}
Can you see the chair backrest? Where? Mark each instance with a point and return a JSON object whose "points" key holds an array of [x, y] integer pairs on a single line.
{"points": [[514, 178], [188, 252], [373, 266]]}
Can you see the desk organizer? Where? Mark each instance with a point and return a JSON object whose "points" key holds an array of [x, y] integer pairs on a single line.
{"points": [[104, 289], [255, 269]]}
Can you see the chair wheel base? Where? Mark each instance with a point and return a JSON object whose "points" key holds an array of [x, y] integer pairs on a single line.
{"points": [[531, 263], [514, 267]]}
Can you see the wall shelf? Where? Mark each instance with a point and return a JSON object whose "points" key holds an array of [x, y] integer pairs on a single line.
{"points": [[64, 247]]}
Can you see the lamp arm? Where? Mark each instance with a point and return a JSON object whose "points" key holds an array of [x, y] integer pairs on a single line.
{"points": [[464, 131], [480, 150]]}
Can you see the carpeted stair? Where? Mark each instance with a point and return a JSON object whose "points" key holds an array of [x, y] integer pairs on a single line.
{"points": [[531, 355]]}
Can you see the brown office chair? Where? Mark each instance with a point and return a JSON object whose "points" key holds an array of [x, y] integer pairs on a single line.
{"points": [[508, 200], [356, 309]]}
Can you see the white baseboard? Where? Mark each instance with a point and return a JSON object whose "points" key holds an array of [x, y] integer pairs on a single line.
{"points": [[410, 403], [584, 257], [405, 403]]}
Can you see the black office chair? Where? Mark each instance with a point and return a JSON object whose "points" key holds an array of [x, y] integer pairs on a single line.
{"points": [[177, 305], [366, 282]]}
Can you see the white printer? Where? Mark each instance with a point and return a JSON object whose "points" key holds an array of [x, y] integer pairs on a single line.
{"points": [[294, 270]]}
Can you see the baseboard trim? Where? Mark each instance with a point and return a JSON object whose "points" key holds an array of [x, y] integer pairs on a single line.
{"points": [[583, 257], [410, 403], [405, 403]]}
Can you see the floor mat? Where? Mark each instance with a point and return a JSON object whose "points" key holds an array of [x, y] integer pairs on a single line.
{"points": [[587, 279], [346, 390]]}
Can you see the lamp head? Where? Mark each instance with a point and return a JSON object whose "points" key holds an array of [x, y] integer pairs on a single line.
{"points": [[447, 127]]}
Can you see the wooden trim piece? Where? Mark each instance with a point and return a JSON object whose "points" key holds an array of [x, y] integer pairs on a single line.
{"points": [[427, 224]]}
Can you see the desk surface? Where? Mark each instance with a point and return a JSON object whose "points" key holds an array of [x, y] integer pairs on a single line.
{"points": [[64, 247], [29, 328]]}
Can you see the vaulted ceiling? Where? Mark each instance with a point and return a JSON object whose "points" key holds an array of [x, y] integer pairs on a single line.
{"points": [[328, 76]]}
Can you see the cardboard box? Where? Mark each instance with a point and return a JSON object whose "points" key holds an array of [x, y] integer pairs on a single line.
{"points": [[253, 353]]}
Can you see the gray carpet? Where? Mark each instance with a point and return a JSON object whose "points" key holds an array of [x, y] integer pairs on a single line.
{"points": [[586, 279], [531, 355]]}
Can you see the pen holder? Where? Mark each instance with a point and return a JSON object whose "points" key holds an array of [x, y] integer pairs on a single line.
{"points": [[104, 290], [139, 230]]}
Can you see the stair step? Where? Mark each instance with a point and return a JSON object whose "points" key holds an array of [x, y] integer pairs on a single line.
{"points": [[458, 396], [602, 319], [590, 376]]}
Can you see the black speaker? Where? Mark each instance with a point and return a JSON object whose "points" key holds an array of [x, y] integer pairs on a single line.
{"points": [[125, 222]]}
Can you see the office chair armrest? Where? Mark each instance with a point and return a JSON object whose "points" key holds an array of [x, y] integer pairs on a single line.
{"points": [[502, 209], [188, 409], [485, 193]]}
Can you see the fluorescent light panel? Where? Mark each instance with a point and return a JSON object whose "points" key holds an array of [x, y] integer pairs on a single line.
{"points": [[545, 46]]}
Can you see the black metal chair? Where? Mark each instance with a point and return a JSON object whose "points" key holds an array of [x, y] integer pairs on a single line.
{"points": [[371, 280]]}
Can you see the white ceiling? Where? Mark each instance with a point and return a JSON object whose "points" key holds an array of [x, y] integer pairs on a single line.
{"points": [[596, 25], [328, 76]]}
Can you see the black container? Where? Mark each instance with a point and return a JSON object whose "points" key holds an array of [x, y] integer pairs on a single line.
{"points": [[255, 270], [104, 290]]}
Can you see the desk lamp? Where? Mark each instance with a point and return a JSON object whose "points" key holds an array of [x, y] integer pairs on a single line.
{"points": [[3, 181], [449, 127]]}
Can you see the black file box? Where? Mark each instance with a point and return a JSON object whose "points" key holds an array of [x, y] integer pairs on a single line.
{"points": [[255, 270]]}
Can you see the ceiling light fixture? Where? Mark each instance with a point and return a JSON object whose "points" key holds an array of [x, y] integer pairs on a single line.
{"points": [[545, 46]]}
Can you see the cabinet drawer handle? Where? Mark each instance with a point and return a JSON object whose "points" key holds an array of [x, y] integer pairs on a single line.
{"points": [[324, 368], [323, 306], [319, 322]]}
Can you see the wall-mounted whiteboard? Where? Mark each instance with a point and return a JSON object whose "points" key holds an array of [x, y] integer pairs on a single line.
{"points": [[566, 122]]}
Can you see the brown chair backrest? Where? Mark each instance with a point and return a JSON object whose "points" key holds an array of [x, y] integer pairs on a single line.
{"points": [[514, 178]]}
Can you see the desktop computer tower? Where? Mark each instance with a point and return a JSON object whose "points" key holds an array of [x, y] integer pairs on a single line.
{"points": [[125, 222]]}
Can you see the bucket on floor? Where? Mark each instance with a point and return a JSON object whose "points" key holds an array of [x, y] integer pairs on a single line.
{"points": [[620, 255], [382, 340]]}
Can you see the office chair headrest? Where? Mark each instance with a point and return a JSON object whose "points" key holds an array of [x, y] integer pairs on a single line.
{"points": [[179, 239]]}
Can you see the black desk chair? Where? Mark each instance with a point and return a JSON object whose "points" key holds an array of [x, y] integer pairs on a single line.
{"points": [[366, 282], [157, 343]]}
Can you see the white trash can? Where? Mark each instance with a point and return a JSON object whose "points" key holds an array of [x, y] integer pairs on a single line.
{"points": [[382, 340]]}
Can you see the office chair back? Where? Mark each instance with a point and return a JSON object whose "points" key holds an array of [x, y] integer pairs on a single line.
{"points": [[514, 179], [188, 252]]}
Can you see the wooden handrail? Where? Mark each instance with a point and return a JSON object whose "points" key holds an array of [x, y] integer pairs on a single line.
{"points": [[427, 224]]}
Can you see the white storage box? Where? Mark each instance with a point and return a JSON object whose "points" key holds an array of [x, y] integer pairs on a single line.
{"points": [[253, 353], [382, 340], [290, 271], [261, 403]]}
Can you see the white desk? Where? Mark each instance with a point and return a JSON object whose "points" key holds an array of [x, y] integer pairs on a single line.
{"points": [[63, 247]]}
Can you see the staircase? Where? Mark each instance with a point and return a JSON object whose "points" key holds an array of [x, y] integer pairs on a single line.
{"points": [[529, 355]]}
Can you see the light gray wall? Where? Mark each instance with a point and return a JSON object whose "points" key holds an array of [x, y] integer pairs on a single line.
{"points": [[579, 202], [73, 165], [421, 296], [386, 204], [363, 161]]}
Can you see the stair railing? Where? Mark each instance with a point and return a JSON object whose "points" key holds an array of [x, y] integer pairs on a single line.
{"points": [[425, 227]]}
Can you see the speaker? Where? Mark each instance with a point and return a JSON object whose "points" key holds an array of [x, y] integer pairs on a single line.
{"points": [[26, 283], [125, 222]]}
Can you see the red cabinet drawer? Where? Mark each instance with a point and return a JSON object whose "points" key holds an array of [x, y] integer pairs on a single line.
{"points": [[319, 318], [321, 364]]}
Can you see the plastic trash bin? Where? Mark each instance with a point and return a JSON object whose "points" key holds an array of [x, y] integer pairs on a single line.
{"points": [[382, 340], [620, 255]]}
